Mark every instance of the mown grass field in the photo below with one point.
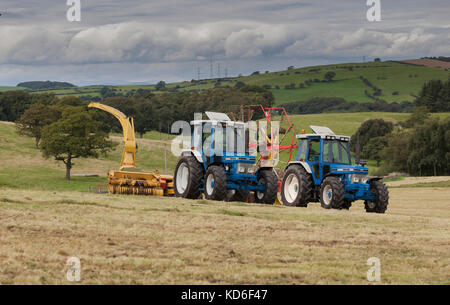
(45, 219)
(148, 240)
(398, 82)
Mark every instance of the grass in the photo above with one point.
(159, 240)
(11, 88)
(24, 166)
(403, 79)
(150, 240)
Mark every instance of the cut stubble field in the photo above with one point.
(151, 240)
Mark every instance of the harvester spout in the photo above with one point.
(129, 150)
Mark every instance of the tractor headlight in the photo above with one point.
(359, 179)
(245, 168)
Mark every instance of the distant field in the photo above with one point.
(10, 88)
(398, 82)
(429, 63)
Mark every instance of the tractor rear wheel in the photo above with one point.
(215, 185)
(188, 178)
(270, 181)
(332, 193)
(296, 187)
(382, 198)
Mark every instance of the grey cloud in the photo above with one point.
(172, 36)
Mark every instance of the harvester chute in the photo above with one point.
(128, 180)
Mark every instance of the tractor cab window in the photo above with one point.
(302, 149)
(335, 151)
(314, 150)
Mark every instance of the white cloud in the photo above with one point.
(147, 42)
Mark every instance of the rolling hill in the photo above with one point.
(398, 81)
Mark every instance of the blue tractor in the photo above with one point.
(325, 171)
(220, 166)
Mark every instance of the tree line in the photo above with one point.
(420, 146)
(336, 104)
(66, 129)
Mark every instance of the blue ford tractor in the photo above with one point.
(325, 171)
(219, 164)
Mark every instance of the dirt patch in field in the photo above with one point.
(429, 63)
(416, 180)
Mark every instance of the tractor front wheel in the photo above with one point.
(188, 178)
(381, 198)
(215, 183)
(332, 193)
(296, 188)
(270, 181)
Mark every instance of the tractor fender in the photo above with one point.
(190, 152)
(370, 179)
(301, 163)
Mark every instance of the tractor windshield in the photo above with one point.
(335, 151)
(229, 140)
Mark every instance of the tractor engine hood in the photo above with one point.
(349, 169)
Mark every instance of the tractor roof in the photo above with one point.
(324, 133)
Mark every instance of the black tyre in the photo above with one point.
(215, 183)
(188, 178)
(347, 204)
(270, 181)
(332, 193)
(237, 195)
(296, 187)
(382, 198)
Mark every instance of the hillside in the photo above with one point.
(397, 81)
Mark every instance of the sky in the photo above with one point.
(126, 42)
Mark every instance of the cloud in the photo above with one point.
(153, 43)
(174, 36)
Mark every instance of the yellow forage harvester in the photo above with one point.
(127, 180)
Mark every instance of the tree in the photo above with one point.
(372, 150)
(75, 135)
(395, 154)
(371, 129)
(435, 95)
(160, 86)
(239, 85)
(34, 119)
(329, 76)
(418, 117)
